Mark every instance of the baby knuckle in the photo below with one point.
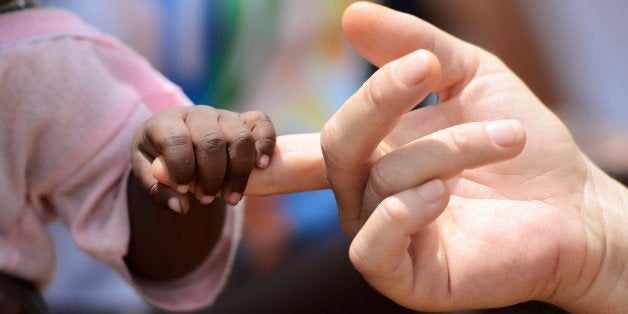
(211, 143)
(176, 138)
(267, 141)
(244, 139)
(259, 116)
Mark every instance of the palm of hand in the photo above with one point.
(497, 241)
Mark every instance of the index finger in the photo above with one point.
(297, 165)
(351, 137)
(171, 136)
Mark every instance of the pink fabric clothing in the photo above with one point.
(71, 99)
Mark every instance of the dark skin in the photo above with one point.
(166, 245)
(213, 153)
(20, 296)
(209, 153)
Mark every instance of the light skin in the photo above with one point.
(439, 224)
(483, 200)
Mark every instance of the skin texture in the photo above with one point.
(215, 150)
(160, 247)
(452, 206)
(296, 165)
(483, 200)
(192, 141)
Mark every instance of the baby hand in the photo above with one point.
(209, 152)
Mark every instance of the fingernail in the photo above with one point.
(207, 199)
(234, 198)
(183, 188)
(505, 133)
(263, 161)
(413, 68)
(432, 190)
(174, 204)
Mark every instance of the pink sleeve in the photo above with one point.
(79, 104)
(94, 203)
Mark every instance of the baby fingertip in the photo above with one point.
(263, 161)
(175, 204)
(183, 189)
(234, 198)
(205, 200)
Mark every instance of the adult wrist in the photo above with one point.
(601, 285)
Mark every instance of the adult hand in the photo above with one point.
(544, 223)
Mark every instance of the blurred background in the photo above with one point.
(289, 59)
